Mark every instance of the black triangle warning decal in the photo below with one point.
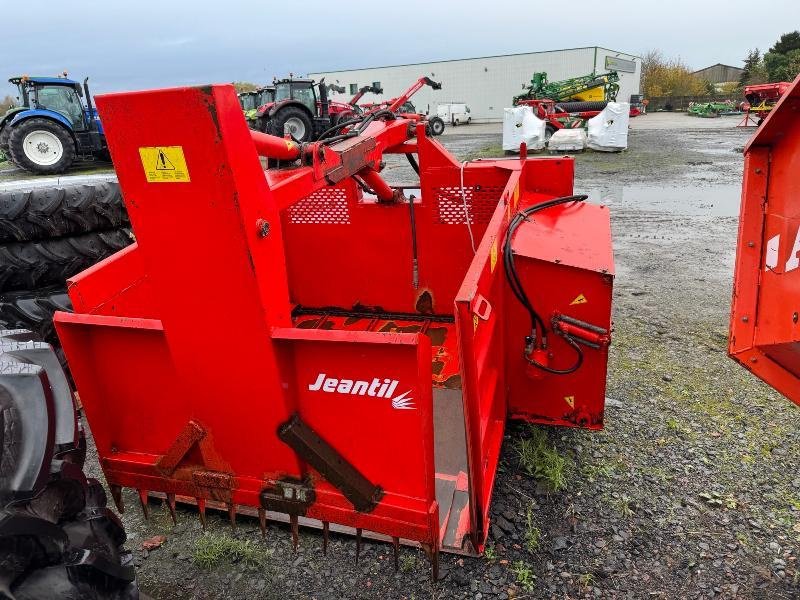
(580, 299)
(163, 163)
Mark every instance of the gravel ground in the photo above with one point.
(691, 491)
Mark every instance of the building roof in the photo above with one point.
(432, 62)
(717, 65)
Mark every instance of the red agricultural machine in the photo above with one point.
(374, 338)
(302, 109)
(765, 327)
(760, 100)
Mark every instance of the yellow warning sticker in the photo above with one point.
(474, 322)
(579, 299)
(493, 255)
(570, 400)
(164, 164)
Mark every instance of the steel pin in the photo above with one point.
(435, 561)
(295, 532)
(232, 514)
(325, 530)
(116, 494)
(143, 501)
(358, 543)
(262, 521)
(396, 545)
(201, 511)
(171, 505)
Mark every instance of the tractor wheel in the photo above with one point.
(34, 310)
(41, 146)
(54, 211)
(549, 130)
(436, 126)
(294, 120)
(58, 539)
(30, 265)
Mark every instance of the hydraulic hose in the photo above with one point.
(537, 339)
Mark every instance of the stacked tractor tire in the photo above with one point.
(58, 538)
(47, 235)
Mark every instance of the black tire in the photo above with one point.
(58, 539)
(580, 106)
(436, 126)
(31, 265)
(17, 139)
(34, 310)
(549, 130)
(49, 212)
(5, 132)
(278, 122)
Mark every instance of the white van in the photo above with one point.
(455, 113)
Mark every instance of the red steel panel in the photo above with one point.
(765, 327)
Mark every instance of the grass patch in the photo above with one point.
(490, 553)
(523, 575)
(540, 459)
(491, 151)
(533, 535)
(407, 563)
(211, 549)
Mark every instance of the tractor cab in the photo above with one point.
(300, 90)
(57, 94)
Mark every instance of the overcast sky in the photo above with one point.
(133, 45)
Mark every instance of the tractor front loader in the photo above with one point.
(359, 346)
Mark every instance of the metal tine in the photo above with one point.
(295, 532)
(201, 511)
(435, 562)
(171, 505)
(325, 528)
(262, 521)
(143, 501)
(396, 546)
(232, 514)
(116, 494)
(358, 543)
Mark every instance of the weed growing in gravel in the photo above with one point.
(210, 549)
(490, 553)
(586, 581)
(407, 563)
(623, 506)
(524, 575)
(540, 459)
(533, 535)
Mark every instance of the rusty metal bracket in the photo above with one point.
(307, 443)
(191, 434)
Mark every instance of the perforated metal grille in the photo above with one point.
(327, 206)
(481, 203)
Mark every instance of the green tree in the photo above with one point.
(245, 86)
(782, 67)
(787, 43)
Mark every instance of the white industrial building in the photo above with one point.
(488, 84)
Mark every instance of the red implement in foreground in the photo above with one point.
(765, 327)
(289, 342)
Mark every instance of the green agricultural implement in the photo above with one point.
(587, 88)
(710, 110)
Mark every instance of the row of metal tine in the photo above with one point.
(116, 492)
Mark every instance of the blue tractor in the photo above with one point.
(54, 124)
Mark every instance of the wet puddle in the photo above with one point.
(709, 200)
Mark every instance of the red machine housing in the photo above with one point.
(765, 328)
(288, 342)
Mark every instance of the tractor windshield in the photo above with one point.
(300, 91)
(248, 101)
(265, 97)
(61, 99)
